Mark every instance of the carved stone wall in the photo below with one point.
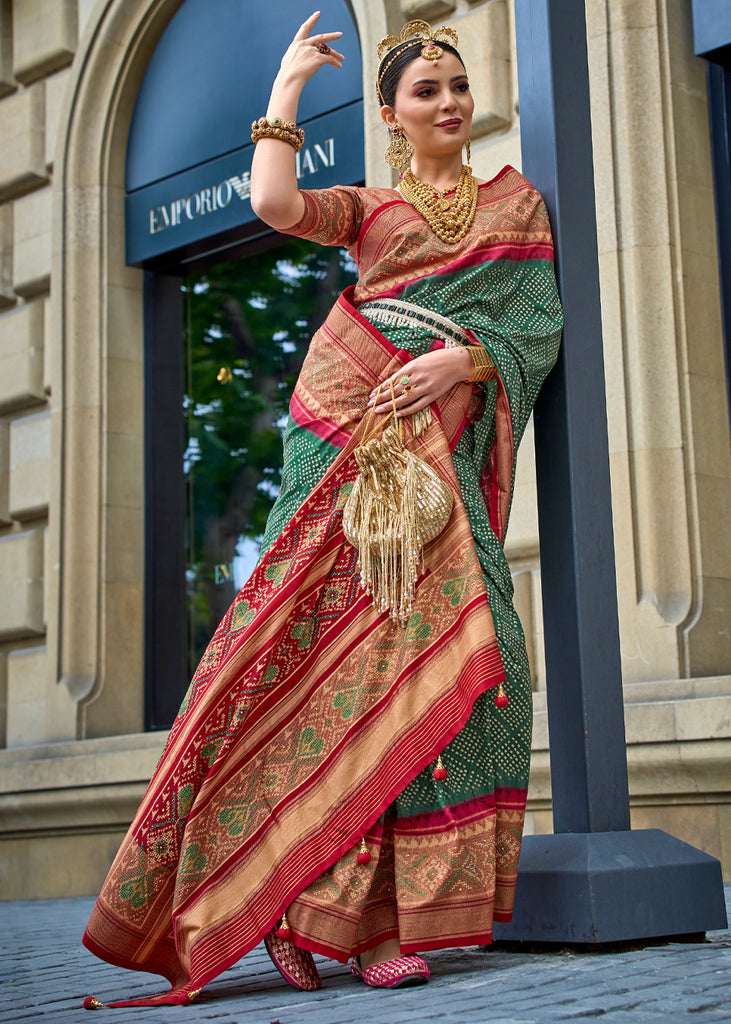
(71, 415)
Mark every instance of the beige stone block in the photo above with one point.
(703, 719)
(126, 395)
(23, 130)
(713, 494)
(21, 585)
(125, 476)
(612, 345)
(484, 43)
(50, 574)
(119, 708)
(650, 722)
(39, 710)
(702, 314)
(539, 646)
(78, 766)
(708, 640)
(3, 697)
(44, 37)
(21, 357)
(678, 689)
(125, 544)
(631, 14)
(661, 532)
(56, 87)
(48, 360)
(523, 602)
(125, 310)
(7, 80)
(7, 295)
(639, 137)
(493, 152)
(32, 246)
(113, 210)
(541, 823)
(27, 705)
(57, 866)
(85, 9)
(427, 9)
(30, 465)
(696, 211)
(4, 472)
(682, 63)
(602, 142)
(650, 347)
(596, 19)
(724, 837)
(710, 418)
(690, 117)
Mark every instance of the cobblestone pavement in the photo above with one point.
(45, 973)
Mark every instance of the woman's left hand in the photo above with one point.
(423, 380)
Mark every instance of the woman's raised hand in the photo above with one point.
(275, 196)
(307, 53)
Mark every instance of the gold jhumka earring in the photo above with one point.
(399, 150)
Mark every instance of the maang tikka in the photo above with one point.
(399, 150)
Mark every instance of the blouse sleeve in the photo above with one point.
(333, 216)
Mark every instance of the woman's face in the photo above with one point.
(433, 105)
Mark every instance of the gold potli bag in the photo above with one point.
(397, 505)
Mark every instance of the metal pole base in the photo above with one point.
(597, 887)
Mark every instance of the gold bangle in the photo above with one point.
(276, 128)
(483, 366)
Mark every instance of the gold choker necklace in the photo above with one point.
(449, 218)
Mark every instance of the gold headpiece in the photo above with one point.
(412, 32)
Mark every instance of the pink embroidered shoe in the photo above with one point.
(397, 973)
(296, 965)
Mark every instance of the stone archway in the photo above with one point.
(96, 539)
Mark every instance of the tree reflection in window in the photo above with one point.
(248, 325)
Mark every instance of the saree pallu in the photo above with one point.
(309, 714)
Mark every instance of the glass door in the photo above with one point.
(247, 325)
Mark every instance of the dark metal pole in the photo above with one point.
(594, 880)
(585, 707)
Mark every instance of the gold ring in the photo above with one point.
(322, 47)
(408, 388)
(405, 380)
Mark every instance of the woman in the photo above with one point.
(347, 774)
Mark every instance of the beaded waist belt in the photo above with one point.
(396, 313)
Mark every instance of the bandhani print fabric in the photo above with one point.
(312, 721)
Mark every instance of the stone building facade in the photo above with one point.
(75, 757)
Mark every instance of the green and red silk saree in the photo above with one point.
(312, 721)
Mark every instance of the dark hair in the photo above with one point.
(392, 76)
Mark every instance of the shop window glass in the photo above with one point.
(247, 325)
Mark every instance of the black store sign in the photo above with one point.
(189, 147)
(214, 197)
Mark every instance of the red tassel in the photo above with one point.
(284, 931)
(501, 701)
(440, 772)
(363, 856)
(90, 1003)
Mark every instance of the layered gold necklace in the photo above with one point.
(449, 216)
